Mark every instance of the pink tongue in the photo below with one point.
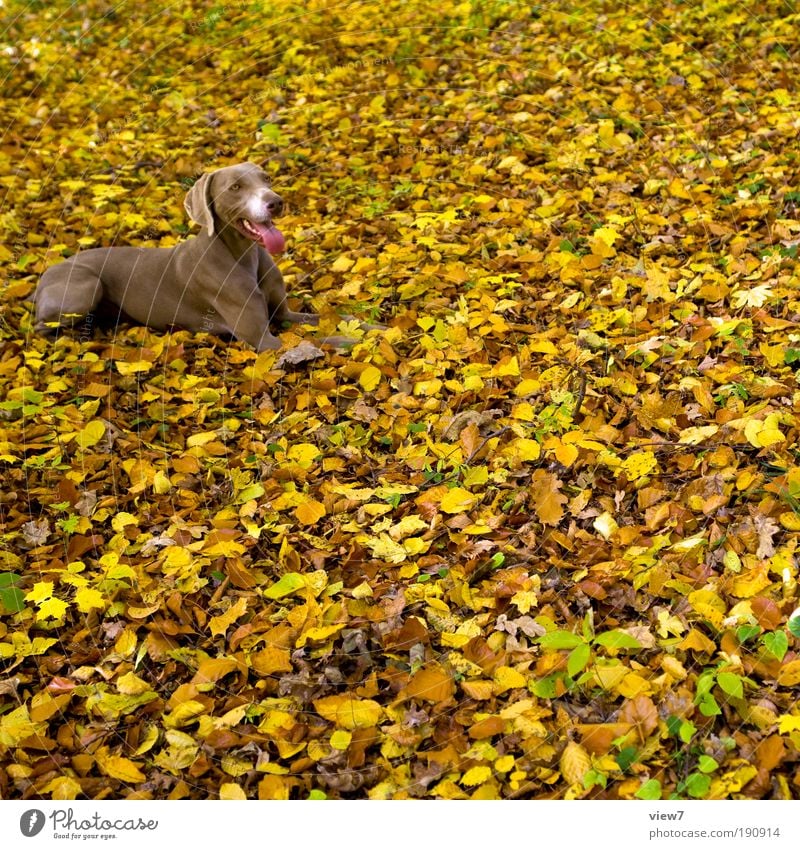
(271, 237)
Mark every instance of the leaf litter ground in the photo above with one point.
(537, 539)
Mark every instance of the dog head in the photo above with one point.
(238, 197)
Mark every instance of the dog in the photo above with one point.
(222, 281)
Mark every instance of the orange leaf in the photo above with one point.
(547, 500)
(641, 712)
(487, 727)
(431, 684)
(271, 659)
(310, 512)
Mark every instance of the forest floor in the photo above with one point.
(537, 539)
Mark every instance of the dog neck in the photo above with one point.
(240, 247)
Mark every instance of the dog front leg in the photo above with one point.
(247, 318)
(270, 281)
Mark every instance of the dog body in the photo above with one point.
(222, 281)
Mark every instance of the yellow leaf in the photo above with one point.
(271, 659)
(504, 764)
(370, 378)
(788, 723)
(121, 520)
(507, 678)
(606, 234)
(524, 449)
(132, 368)
(40, 591)
(349, 713)
(566, 453)
(131, 684)
(125, 645)
(342, 263)
(762, 434)
(639, 465)
(507, 367)
(214, 669)
(309, 512)
(318, 635)
(52, 608)
(16, 725)
(457, 500)
(289, 583)
(64, 789)
(341, 740)
(91, 434)
(751, 582)
(120, 768)
(219, 624)
(605, 525)
(789, 675)
(731, 782)
(231, 791)
(574, 763)
(305, 454)
(161, 483)
(184, 714)
(476, 775)
(709, 605)
(87, 599)
(385, 548)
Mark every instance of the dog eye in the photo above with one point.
(235, 187)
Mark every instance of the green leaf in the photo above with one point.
(747, 632)
(687, 730)
(673, 725)
(776, 643)
(794, 624)
(626, 758)
(708, 706)
(705, 763)
(578, 658)
(545, 688)
(650, 790)
(697, 785)
(317, 794)
(13, 599)
(289, 583)
(791, 355)
(731, 684)
(560, 640)
(593, 777)
(617, 640)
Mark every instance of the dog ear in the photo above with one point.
(198, 203)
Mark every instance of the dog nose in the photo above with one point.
(275, 205)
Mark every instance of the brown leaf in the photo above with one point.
(487, 727)
(767, 613)
(548, 502)
(302, 353)
(641, 713)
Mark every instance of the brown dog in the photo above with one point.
(222, 281)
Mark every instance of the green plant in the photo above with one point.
(11, 597)
(582, 648)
